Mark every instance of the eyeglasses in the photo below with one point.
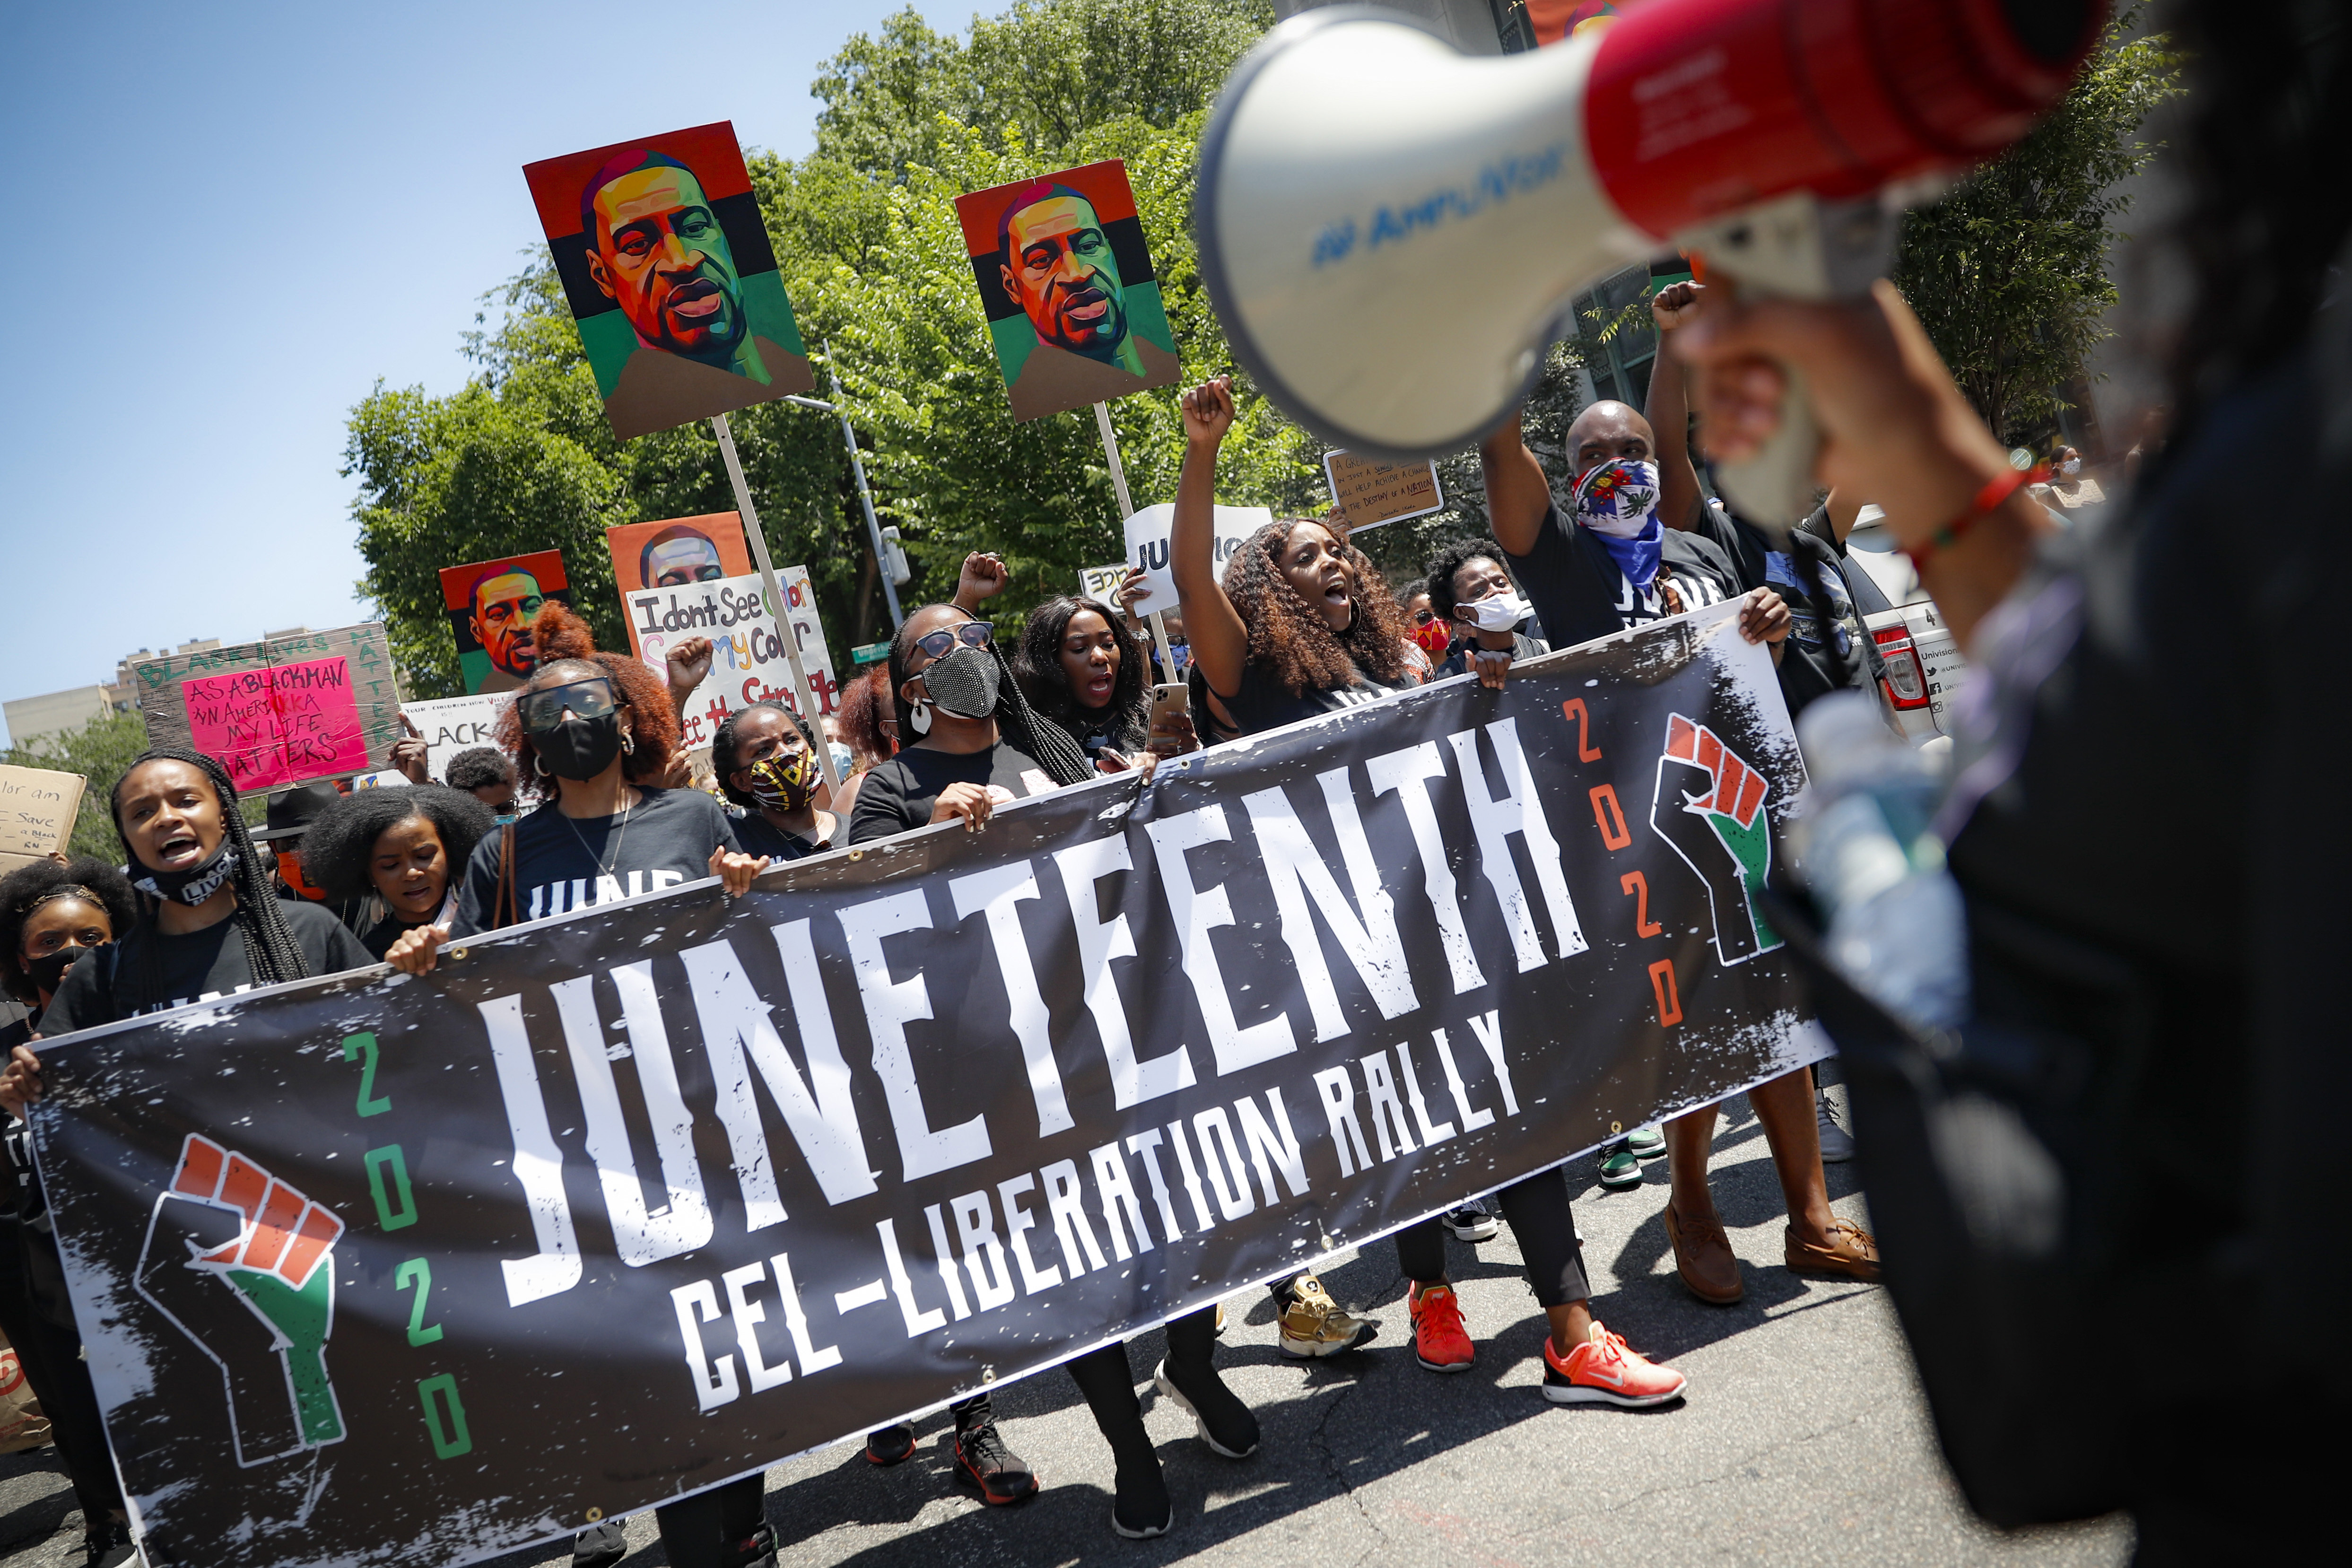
(941, 643)
(543, 709)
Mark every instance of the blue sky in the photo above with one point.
(242, 216)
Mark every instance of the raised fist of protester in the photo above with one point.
(1676, 304)
(983, 576)
(20, 1083)
(688, 664)
(416, 950)
(735, 871)
(970, 802)
(408, 754)
(1765, 618)
(1209, 411)
(242, 1264)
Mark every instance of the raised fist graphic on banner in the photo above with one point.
(1709, 806)
(242, 1265)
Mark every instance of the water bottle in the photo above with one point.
(1897, 926)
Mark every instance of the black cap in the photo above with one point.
(292, 811)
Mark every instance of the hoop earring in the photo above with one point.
(628, 747)
(538, 766)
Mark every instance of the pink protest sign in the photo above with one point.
(278, 725)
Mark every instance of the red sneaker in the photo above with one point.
(1439, 1340)
(1603, 1371)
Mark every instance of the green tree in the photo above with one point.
(101, 751)
(2009, 272)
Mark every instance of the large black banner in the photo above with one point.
(634, 1201)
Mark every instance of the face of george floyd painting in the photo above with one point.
(678, 552)
(493, 606)
(1073, 306)
(667, 265)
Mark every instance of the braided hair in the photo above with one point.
(724, 763)
(1290, 637)
(270, 947)
(1038, 666)
(28, 887)
(1050, 745)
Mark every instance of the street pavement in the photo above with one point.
(1803, 1439)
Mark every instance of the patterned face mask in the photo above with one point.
(785, 783)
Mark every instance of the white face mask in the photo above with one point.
(2070, 466)
(1498, 613)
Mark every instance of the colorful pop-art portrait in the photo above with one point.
(493, 605)
(667, 265)
(1067, 282)
(676, 551)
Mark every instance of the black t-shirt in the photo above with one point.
(898, 795)
(1263, 702)
(1580, 594)
(757, 836)
(564, 863)
(1457, 662)
(1811, 664)
(147, 971)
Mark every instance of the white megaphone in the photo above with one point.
(1390, 231)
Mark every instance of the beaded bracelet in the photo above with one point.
(1995, 491)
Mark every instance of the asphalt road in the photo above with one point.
(1802, 1441)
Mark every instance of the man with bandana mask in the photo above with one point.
(766, 762)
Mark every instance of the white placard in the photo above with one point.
(1146, 546)
(450, 725)
(748, 660)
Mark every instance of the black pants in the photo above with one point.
(1104, 1376)
(704, 1531)
(1537, 1211)
(51, 1357)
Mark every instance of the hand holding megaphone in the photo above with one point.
(1392, 231)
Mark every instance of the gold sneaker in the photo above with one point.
(1313, 1325)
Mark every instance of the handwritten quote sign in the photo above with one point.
(36, 812)
(314, 705)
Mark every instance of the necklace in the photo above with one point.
(603, 867)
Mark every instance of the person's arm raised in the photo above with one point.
(1219, 641)
(1518, 494)
(1667, 408)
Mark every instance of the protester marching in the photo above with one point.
(555, 1054)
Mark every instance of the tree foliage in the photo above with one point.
(2009, 272)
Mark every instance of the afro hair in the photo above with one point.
(28, 887)
(339, 846)
(1447, 563)
(479, 767)
(563, 638)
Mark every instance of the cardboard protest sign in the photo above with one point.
(317, 705)
(667, 264)
(36, 813)
(1067, 282)
(1369, 492)
(493, 604)
(1146, 546)
(747, 661)
(677, 550)
(452, 724)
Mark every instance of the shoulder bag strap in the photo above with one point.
(504, 909)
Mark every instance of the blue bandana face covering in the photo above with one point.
(1618, 500)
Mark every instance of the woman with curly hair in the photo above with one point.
(53, 913)
(594, 728)
(1081, 668)
(399, 849)
(1302, 625)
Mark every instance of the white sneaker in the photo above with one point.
(1837, 1143)
(1471, 1222)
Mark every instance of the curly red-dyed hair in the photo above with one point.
(562, 637)
(1290, 635)
(860, 715)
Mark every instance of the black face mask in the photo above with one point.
(194, 885)
(578, 748)
(49, 970)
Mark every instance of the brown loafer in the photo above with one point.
(1703, 1257)
(1851, 1254)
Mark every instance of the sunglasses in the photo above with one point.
(941, 643)
(543, 709)
(1423, 617)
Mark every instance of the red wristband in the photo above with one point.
(1995, 491)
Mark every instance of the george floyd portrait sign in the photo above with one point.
(666, 262)
(493, 604)
(646, 1197)
(1067, 282)
(310, 705)
(678, 551)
